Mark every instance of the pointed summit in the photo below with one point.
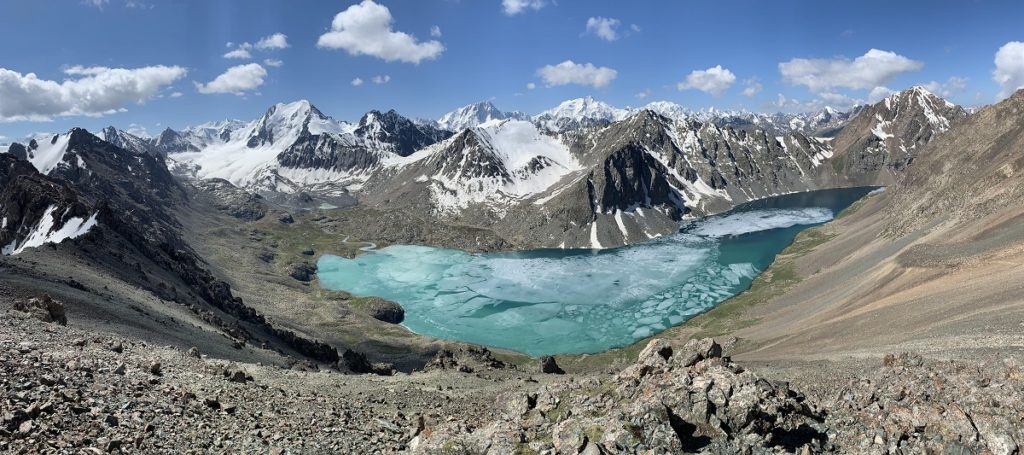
(287, 121)
(877, 145)
(580, 112)
(474, 115)
(401, 135)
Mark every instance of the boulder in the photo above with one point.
(656, 353)
(43, 308)
(302, 271)
(696, 350)
(549, 366)
(286, 218)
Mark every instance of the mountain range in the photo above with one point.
(582, 174)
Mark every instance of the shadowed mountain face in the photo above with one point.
(117, 209)
(583, 174)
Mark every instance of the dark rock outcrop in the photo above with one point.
(232, 200)
(404, 136)
(465, 359)
(18, 151)
(382, 310)
(549, 366)
(43, 308)
(302, 271)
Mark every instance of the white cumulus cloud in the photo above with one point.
(569, 72)
(365, 29)
(236, 80)
(513, 7)
(531, 86)
(435, 31)
(91, 91)
(952, 87)
(357, 82)
(1009, 72)
(873, 69)
(715, 80)
(381, 79)
(752, 87)
(275, 41)
(603, 27)
(241, 54)
(273, 62)
(878, 93)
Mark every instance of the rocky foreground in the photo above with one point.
(694, 400)
(63, 390)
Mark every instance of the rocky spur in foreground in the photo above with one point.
(692, 399)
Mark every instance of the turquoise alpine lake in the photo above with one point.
(542, 302)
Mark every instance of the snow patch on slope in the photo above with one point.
(533, 162)
(49, 153)
(45, 232)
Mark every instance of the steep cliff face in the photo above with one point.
(876, 147)
(397, 134)
(35, 211)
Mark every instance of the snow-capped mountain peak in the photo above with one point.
(127, 141)
(668, 109)
(475, 115)
(580, 112)
(287, 121)
(933, 107)
(391, 131)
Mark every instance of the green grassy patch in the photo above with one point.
(556, 415)
(523, 449)
(594, 434)
(288, 241)
(853, 208)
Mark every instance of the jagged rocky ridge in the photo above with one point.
(583, 174)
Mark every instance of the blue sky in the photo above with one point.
(138, 62)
